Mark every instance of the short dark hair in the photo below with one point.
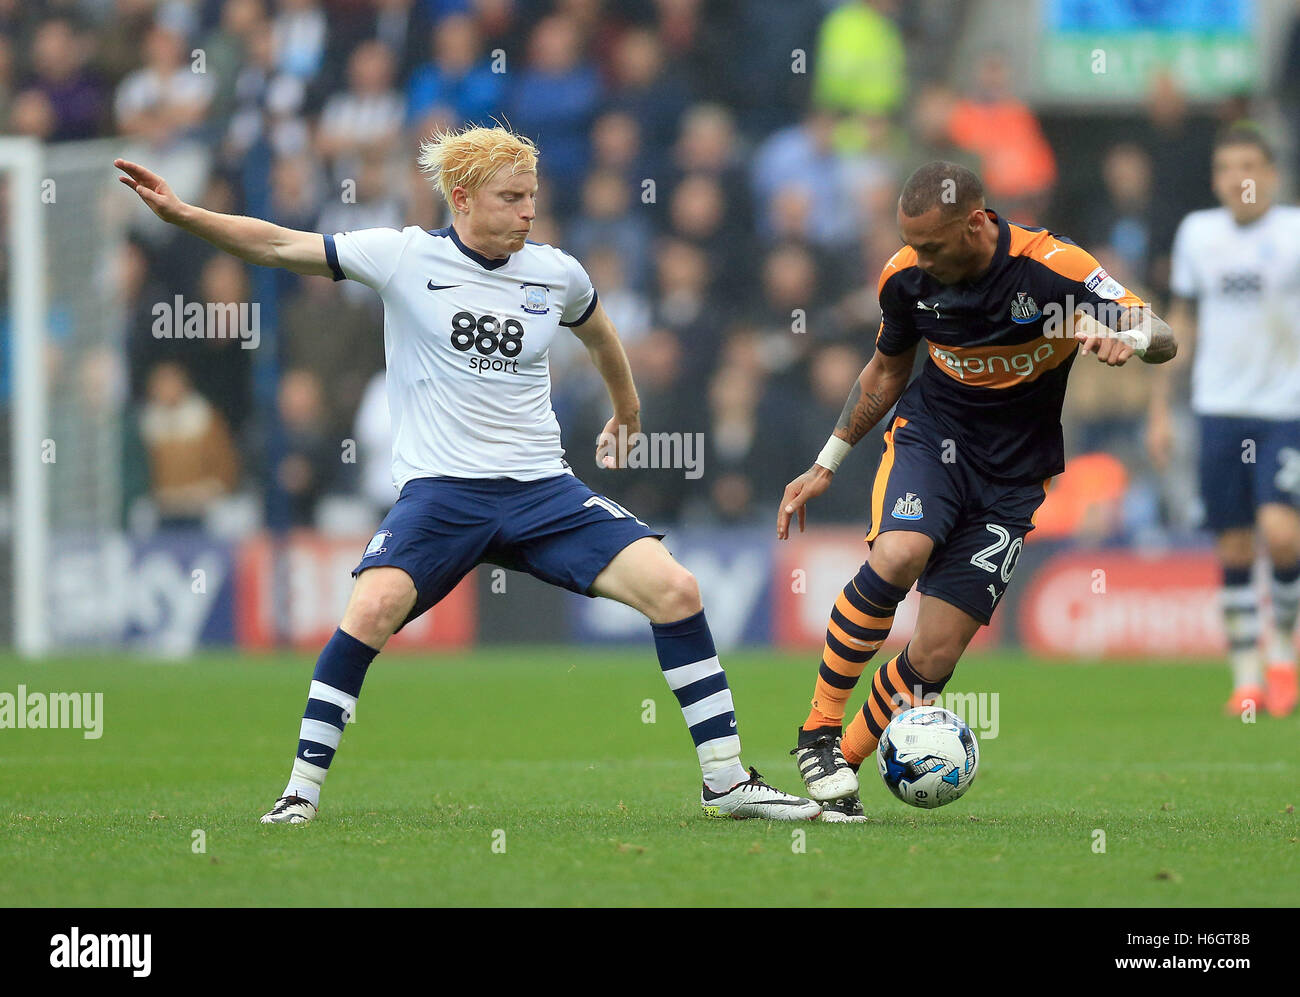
(1245, 133)
(949, 186)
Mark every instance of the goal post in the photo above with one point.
(22, 164)
(67, 365)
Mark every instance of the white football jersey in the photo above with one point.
(466, 340)
(1246, 282)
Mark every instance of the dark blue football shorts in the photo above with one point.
(556, 529)
(1245, 463)
(978, 524)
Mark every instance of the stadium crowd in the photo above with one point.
(727, 171)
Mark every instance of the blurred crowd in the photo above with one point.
(727, 171)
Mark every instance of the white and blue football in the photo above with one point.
(928, 756)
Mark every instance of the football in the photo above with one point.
(928, 757)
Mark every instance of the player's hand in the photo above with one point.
(1159, 439)
(808, 485)
(608, 454)
(1111, 348)
(153, 190)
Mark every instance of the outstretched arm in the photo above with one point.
(877, 389)
(250, 239)
(1135, 328)
(1162, 346)
(600, 338)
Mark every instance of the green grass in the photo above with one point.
(598, 808)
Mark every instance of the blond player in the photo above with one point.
(470, 312)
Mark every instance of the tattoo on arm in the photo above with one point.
(860, 413)
(1163, 346)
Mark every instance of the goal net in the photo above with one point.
(65, 396)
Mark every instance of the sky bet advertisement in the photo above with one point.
(175, 593)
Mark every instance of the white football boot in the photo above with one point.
(845, 810)
(756, 798)
(821, 764)
(290, 810)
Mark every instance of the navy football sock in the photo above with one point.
(331, 704)
(690, 665)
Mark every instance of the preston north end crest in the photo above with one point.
(535, 299)
(908, 507)
(1024, 308)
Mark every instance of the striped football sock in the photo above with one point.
(1286, 603)
(691, 667)
(859, 624)
(331, 703)
(1241, 624)
(894, 688)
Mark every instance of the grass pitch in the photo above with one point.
(544, 754)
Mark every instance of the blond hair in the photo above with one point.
(469, 157)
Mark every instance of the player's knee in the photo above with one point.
(1280, 532)
(378, 608)
(1282, 550)
(934, 661)
(678, 596)
(899, 564)
(1236, 548)
(370, 620)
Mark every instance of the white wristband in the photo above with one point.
(1140, 337)
(834, 452)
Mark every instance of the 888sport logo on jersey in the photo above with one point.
(493, 343)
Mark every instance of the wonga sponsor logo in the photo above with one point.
(1000, 366)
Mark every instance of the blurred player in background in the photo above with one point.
(970, 452)
(469, 315)
(1235, 273)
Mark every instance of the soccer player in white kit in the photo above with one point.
(469, 314)
(1238, 267)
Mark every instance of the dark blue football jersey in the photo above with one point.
(1000, 347)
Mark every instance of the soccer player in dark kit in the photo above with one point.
(970, 452)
